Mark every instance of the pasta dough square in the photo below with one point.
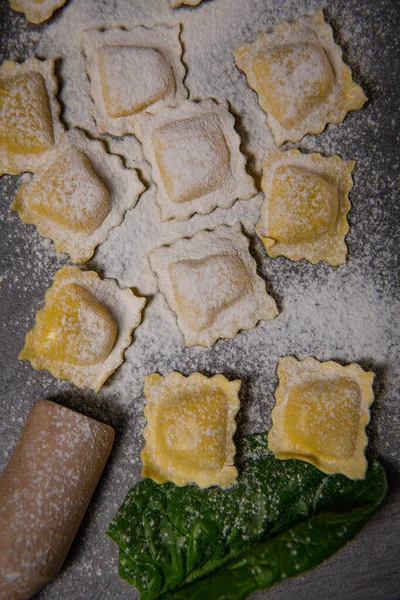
(300, 78)
(320, 415)
(190, 428)
(36, 11)
(29, 114)
(194, 152)
(132, 70)
(210, 283)
(79, 195)
(84, 328)
(305, 207)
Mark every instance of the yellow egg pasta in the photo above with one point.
(79, 195)
(211, 284)
(83, 329)
(132, 70)
(29, 114)
(194, 152)
(36, 11)
(320, 415)
(305, 207)
(300, 77)
(190, 428)
(175, 3)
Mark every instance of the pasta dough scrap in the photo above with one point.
(210, 283)
(175, 3)
(84, 328)
(36, 11)
(195, 157)
(79, 195)
(29, 114)
(131, 71)
(300, 78)
(190, 428)
(320, 415)
(305, 207)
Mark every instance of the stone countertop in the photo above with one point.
(368, 567)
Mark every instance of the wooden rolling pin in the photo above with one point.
(44, 493)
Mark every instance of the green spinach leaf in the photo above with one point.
(279, 519)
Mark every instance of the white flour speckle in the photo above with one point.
(348, 314)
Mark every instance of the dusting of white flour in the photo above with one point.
(348, 314)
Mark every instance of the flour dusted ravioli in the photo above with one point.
(190, 428)
(305, 207)
(300, 78)
(176, 151)
(321, 413)
(125, 100)
(84, 328)
(211, 284)
(131, 71)
(78, 195)
(29, 114)
(36, 11)
(191, 282)
(195, 156)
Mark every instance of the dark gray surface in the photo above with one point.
(368, 567)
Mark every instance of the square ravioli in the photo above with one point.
(300, 78)
(36, 11)
(194, 152)
(320, 415)
(29, 114)
(305, 207)
(190, 428)
(211, 284)
(84, 328)
(132, 70)
(79, 195)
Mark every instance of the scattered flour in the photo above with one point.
(349, 313)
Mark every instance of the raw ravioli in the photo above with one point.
(84, 328)
(36, 11)
(133, 70)
(79, 195)
(29, 114)
(190, 428)
(305, 207)
(194, 152)
(300, 77)
(320, 415)
(211, 284)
